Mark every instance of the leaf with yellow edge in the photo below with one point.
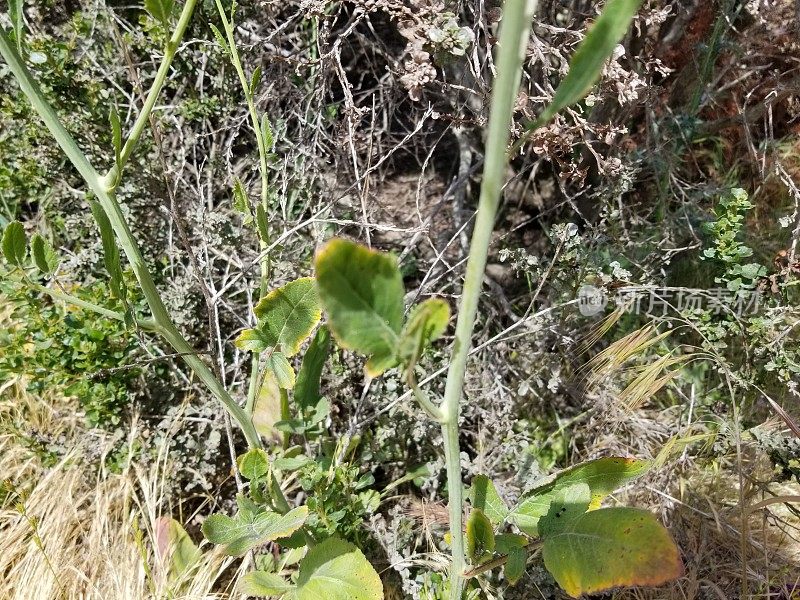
(607, 548)
(362, 293)
(288, 315)
(603, 476)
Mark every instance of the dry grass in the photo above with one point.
(75, 530)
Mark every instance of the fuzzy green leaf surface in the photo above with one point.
(362, 293)
(607, 548)
(288, 315)
(336, 570)
(602, 476)
(245, 531)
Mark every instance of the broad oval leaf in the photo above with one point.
(243, 532)
(336, 570)
(588, 60)
(603, 476)
(251, 340)
(611, 547)
(253, 464)
(15, 243)
(362, 292)
(288, 315)
(480, 536)
(44, 256)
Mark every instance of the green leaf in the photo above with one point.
(255, 79)
(261, 583)
(262, 223)
(110, 249)
(590, 57)
(480, 535)
(266, 133)
(252, 340)
(160, 10)
(283, 371)
(603, 476)
(246, 531)
(611, 547)
(505, 542)
(288, 315)
(306, 390)
(362, 292)
(515, 565)
(175, 545)
(44, 256)
(220, 38)
(426, 323)
(336, 570)
(15, 243)
(483, 495)
(253, 464)
(240, 202)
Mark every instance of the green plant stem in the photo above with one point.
(499, 561)
(111, 179)
(255, 122)
(424, 401)
(513, 38)
(163, 322)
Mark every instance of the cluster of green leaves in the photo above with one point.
(332, 565)
(57, 347)
(726, 245)
(586, 548)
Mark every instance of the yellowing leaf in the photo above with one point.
(267, 407)
(288, 315)
(608, 548)
(362, 293)
(480, 535)
(603, 476)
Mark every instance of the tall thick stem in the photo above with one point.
(513, 38)
(164, 324)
